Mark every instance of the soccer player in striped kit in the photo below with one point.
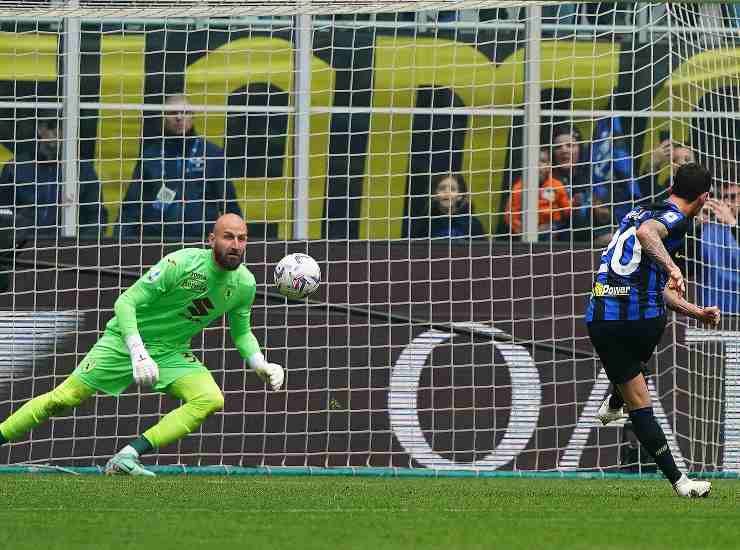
(148, 342)
(636, 281)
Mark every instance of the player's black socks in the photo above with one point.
(651, 435)
(616, 401)
(142, 445)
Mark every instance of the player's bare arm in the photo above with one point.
(651, 235)
(706, 315)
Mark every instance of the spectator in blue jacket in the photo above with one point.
(179, 187)
(33, 182)
(719, 251)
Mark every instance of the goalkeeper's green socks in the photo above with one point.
(2, 438)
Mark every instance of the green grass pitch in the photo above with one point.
(57, 512)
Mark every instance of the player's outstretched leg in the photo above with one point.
(66, 395)
(202, 398)
(650, 434)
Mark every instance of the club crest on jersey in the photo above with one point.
(602, 290)
(154, 274)
(228, 292)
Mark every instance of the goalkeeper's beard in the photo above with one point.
(227, 260)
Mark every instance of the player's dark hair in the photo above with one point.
(691, 181)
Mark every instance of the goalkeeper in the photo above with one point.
(148, 342)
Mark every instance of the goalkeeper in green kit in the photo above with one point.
(148, 342)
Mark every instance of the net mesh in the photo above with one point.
(389, 141)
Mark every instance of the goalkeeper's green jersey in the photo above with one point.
(180, 296)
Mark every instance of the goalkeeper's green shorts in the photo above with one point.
(107, 366)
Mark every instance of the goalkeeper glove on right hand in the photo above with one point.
(145, 369)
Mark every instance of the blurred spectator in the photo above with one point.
(666, 153)
(33, 182)
(179, 187)
(554, 203)
(449, 214)
(567, 168)
(615, 190)
(718, 238)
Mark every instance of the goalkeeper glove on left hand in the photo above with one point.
(271, 373)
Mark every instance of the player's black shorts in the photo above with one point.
(623, 346)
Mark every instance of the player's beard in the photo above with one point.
(228, 261)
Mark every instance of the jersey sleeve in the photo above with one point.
(240, 321)
(671, 219)
(156, 282)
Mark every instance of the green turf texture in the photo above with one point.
(58, 512)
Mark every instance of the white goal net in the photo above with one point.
(455, 168)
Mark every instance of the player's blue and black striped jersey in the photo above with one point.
(629, 284)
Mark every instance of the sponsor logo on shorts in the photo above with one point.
(602, 290)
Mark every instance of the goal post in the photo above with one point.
(454, 167)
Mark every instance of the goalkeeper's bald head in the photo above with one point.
(228, 240)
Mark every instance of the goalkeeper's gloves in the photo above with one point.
(271, 373)
(145, 369)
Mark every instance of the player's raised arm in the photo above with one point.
(706, 315)
(155, 282)
(247, 345)
(651, 234)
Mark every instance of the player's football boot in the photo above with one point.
(606, 415)
(692, 488)
(126, 463)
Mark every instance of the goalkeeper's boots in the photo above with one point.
(692, 488)
(126, 463)
(606, 415)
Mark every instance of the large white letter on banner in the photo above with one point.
(571, 458)
(404, 385)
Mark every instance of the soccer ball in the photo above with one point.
(297, 276)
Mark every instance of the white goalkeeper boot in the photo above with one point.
(692, 488)
(126, 463)
(606, 415)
